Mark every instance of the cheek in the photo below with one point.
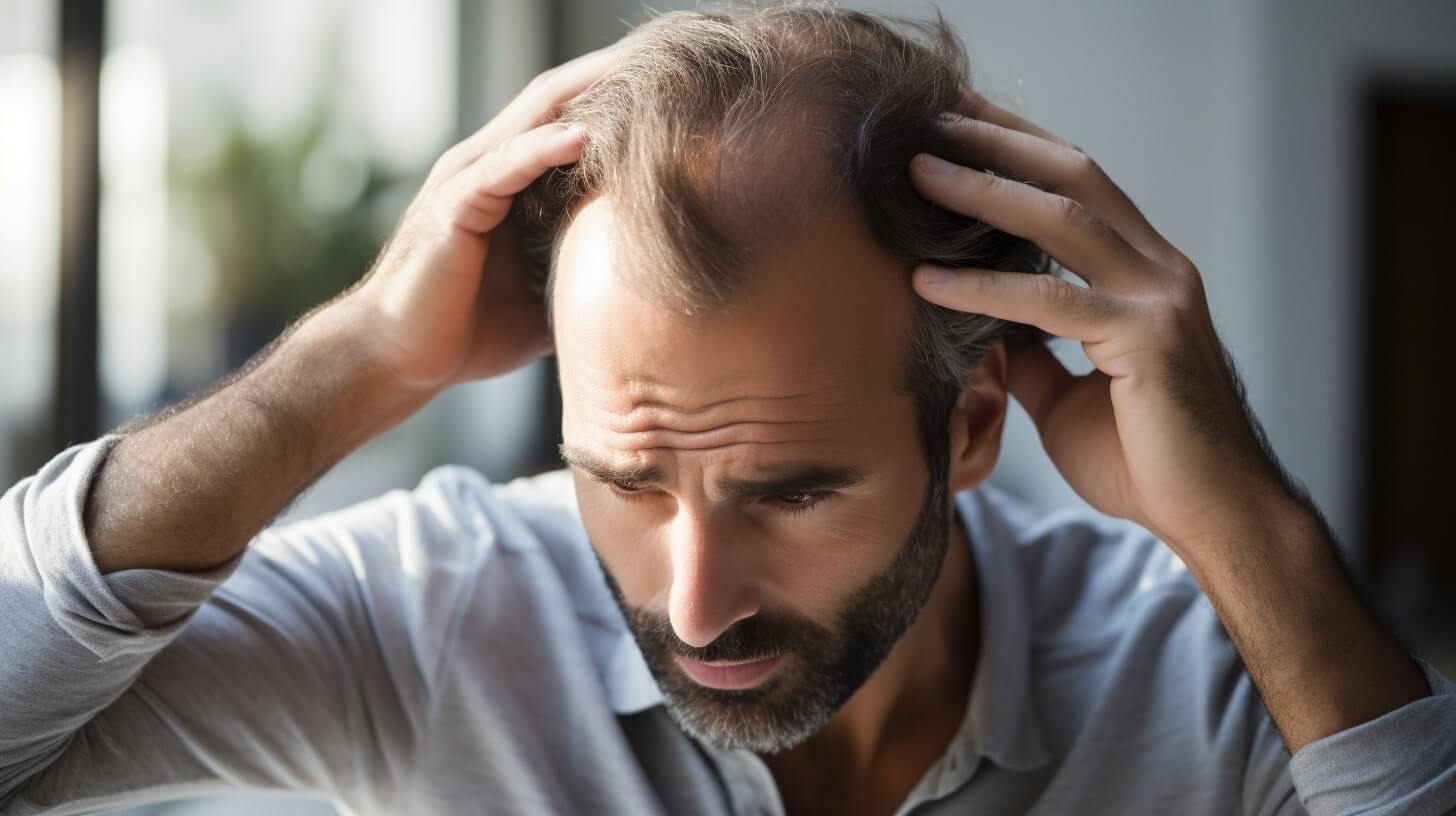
(625, 539)
(824, 557)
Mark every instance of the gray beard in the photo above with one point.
(825, 667)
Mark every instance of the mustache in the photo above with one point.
(761, 636)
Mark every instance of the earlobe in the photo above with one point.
(977, 420)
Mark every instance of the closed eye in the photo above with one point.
(626, 490)
(791, 503)
(794, 503)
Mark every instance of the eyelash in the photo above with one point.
(813, 499)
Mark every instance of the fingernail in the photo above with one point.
(933, 275)
(931, 165)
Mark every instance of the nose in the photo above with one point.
(712, 578)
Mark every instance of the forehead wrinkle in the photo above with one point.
(660, 440)
(623, 394)
(627, 416)
(708, 406)
(639, 422)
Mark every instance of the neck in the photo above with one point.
(901, 720)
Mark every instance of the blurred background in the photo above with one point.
(180, 180)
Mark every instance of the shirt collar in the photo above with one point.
(1000, 722)
(630, 684)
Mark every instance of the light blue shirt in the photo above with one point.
(453, 649)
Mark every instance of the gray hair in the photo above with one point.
(726, 128)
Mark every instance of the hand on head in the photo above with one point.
(447, 302)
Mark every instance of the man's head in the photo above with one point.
(765, 421)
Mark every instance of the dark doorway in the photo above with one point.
(1408, 300)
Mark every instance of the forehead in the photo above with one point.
(813, 344)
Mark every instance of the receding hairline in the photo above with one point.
(621, 234)
(725, 127)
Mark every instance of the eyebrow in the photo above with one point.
(785, 479)
(604, 471)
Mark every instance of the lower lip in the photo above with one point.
(729, 676)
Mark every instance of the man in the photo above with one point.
(774, 579)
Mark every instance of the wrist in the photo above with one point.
(326, 378)
(1276, 528)
(1321, 662)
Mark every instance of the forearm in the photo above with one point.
(188, 489)
(1321, 661)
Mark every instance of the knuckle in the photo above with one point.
(435, 215)
(1164, 319)
(1101, 308)
(515, 152)
(1178, 309)
(1072, 211)
(503, 155)
(1091, 307)
(983, 180)
(1085, 167)
(1182, 268)
(543, 80)
(447, 160)
(1180, 284)
(435, 221)
(1082, 164)
(1088, 304)
(1186, 296)
(1051, 290)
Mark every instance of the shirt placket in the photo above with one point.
(751, 788)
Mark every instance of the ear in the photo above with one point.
(977, 419)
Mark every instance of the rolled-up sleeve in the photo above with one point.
(1403, 762)
(301, 664)
(59, 617)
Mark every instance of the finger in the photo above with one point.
(479, 198)
(1049, 303)
(1037, 379)
(1067, 411)
(534, 105)
(1065, 228)
(1056, 169)
(975, 106)
(541, 99)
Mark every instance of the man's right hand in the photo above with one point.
(448, 301)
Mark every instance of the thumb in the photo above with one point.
(1037, 379)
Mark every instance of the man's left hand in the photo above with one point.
(1160, 433)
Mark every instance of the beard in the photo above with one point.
(824, 666)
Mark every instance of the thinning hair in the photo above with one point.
(727, 129)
